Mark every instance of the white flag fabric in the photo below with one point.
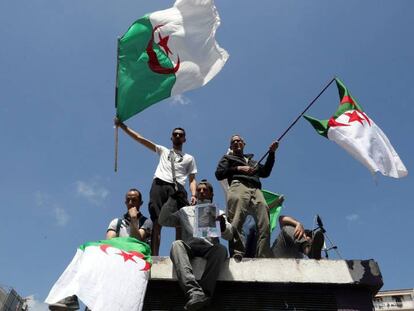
(366, 142)
(106, 275)
(352, 129)
(191, 26)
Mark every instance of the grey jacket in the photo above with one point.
(184, 218)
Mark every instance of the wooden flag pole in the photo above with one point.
(116, 148)
(297, 119)
(116, 105)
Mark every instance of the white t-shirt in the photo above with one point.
(184, 165)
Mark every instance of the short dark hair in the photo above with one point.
(178, 128)
(136, 190)
(231, 138)
(209, 186)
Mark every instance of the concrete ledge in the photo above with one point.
(270, 270)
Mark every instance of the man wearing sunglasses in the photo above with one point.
(173, 169)
(244, 196)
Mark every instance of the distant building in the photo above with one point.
(11, 301)
(399, 299)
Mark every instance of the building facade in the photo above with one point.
(390, 300)
(11, 301)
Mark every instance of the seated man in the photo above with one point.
(133, 224)
(294, 241)
(200, 292)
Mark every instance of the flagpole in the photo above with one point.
(297, 119)
(116, 149)
(116, 105)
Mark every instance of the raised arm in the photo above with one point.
(138, 137)
(266, 169)
(290, 221)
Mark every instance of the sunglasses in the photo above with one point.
(178, 134)
(237, 141)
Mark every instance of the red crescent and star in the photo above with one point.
(127, 256)
(153, 61)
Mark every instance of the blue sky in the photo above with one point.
(58, 187)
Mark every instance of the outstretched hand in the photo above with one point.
(248, 170)
(117, 122)
(193, 200)
(299, 231)
(274, 145)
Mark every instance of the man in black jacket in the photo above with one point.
(244, 195)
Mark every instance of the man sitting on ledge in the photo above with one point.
(182, 251)
(294, 241)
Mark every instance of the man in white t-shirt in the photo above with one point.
(173, 169)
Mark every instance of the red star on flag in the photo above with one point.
(354, 116)
(127, 256)
(164, 43)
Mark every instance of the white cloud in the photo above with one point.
(353, 217)
(42, 199)
(92, 191)
(35, 305)
(46, 201)
(180, 100)
(61, 216)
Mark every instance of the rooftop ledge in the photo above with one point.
(364, 273)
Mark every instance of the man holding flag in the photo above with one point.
(173, 169)
(244, 196)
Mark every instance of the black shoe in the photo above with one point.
(317, 244)
(68, 303)
(238, 257)
(197, 302)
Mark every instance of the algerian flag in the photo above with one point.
(167, 53)
(272, 200)
(352, 129)
(106, 275)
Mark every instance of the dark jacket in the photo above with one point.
(227, 169)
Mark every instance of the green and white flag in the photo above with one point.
(352, 129)
(166, 53)
(106, 275)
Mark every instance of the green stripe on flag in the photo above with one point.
(138, 87)
(127, 244)
(346, 100)
(274, 211)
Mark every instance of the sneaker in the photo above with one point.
(317, 244)
(197, 302)
(238, 257)
(66, 304)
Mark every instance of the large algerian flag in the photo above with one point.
(166, 53)
(106, 275)
(272, 200)
(352, 129)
